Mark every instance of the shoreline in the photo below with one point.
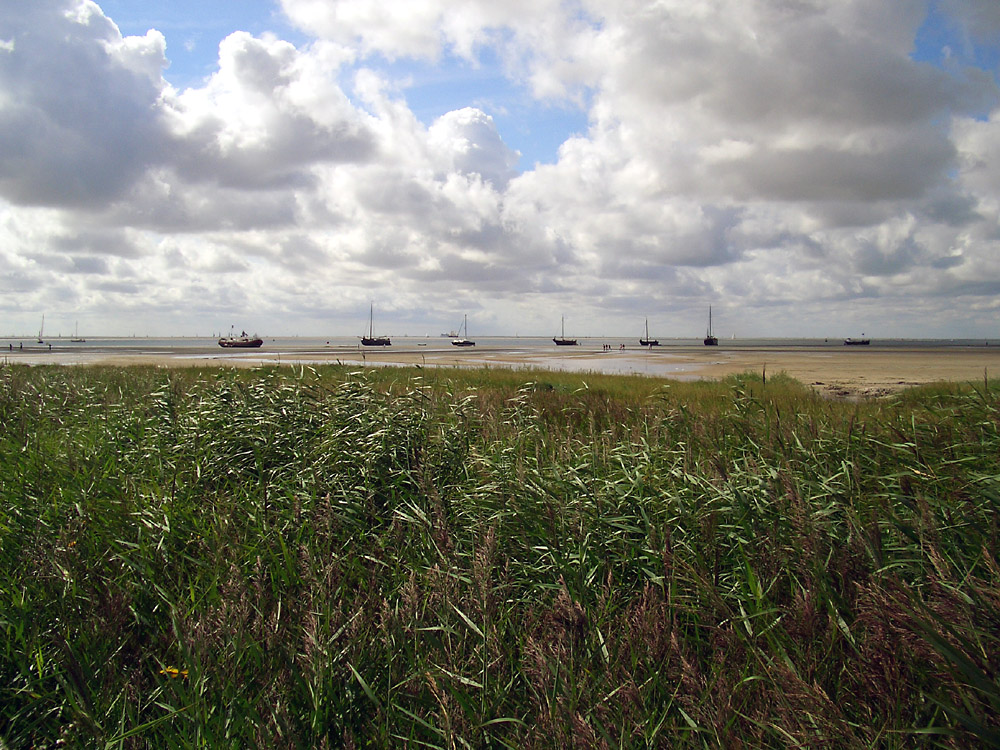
(840, 372)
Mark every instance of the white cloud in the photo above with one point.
(267, 116)
(468, 143)
(79, 119)
(765, 154)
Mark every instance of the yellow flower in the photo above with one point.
(174, 672)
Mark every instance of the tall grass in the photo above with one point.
(328, 558)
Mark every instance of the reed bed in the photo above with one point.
(330, 558)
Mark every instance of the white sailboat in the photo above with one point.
(464, 330)
(41, 330)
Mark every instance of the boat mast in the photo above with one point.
(371, 320)
(709, 335)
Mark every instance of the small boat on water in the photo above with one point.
(464, 340)
(710, 339)
(41, 330)
(562, 340)
(857, 342)
(243, 341)
(371, 339)
(77, 338)
(648, 341)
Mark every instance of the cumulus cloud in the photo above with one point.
(805, 121)
(759, 153)
(267, 116)
(78, 104)
(468, 143)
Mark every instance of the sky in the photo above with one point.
(807, 168)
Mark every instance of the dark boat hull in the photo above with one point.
(376, 341)
(711, 341)
(648, 342)
(565, 342)
(857, 342)
(241, 343)
(463, 342)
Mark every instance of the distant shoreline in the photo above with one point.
(831, 369)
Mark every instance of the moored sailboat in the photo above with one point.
(648, 341)
(464, 330)
(371, 339)
(710, 339)
(562, 340)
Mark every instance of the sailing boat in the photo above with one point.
(464, 341)
(710, 340)
(76, 335)
(562, 340)
(370, 339)
(648, 341)
(41, 329)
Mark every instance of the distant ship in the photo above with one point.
(562, 340)
(243, 341)
(710, 340)
(370, 339)
(856, 342)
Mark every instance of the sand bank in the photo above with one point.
(833, 370)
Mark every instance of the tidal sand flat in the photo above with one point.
(831, 369)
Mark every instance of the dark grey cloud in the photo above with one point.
(952, 208)
(900, 171)
(96, 242)
(872, 260)
(164, 202)
(980, 19)
(88, 264)
(282, 159)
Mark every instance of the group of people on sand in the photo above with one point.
(20, 346)
(607, 347)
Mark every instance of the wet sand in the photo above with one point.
(834, 371)
(838, 372)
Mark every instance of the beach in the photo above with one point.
(838, 371)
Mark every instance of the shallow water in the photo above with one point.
(510, 352)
